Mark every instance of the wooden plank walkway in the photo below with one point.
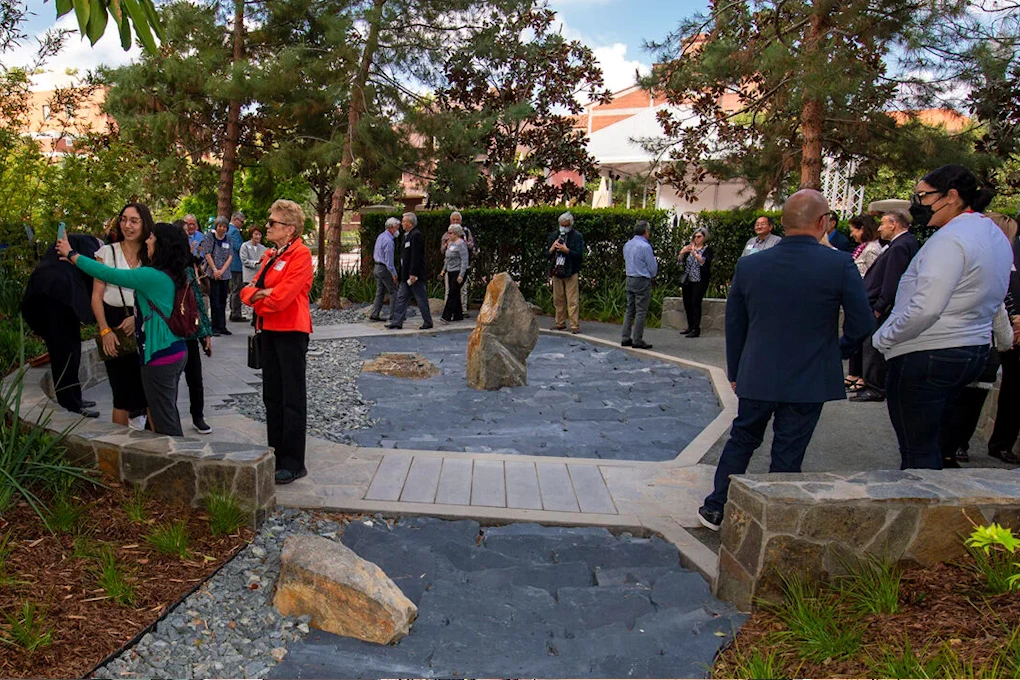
(484, 482)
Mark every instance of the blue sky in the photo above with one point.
(614, 29)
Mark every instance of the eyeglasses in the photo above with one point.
(135, 221)
(918, 195)
(271, 223)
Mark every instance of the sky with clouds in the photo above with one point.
(614, 29)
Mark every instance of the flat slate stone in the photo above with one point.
(508, 606)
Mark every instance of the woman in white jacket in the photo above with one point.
(251, 255)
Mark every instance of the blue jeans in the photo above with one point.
(791, 432)
(921, 388)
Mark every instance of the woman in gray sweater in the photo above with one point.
(455, 266)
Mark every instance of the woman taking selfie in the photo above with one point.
(279, 296)
(114, 309)
(155, 285)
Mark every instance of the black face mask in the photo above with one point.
(920, 213)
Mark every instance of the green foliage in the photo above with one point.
(5, 552)
(872, 586)
(225, 513)
(28, 629)
(134, 507)
(904, 664)
(814, 626)
(31, 459)
(85, 547)
(758, 664)
(994, 548)
(65, 514)
(170, 538)
(93, 18)
(515, 241)
(113, 577)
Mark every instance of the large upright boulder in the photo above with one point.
(343, 593)
(504, 336)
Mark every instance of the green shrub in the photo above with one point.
(28, 628)
(225, 513)
(170, 538)
(758, 664)
(815, 624)
(872, 586)
(113, 577)
(134, 507)
(994, 548)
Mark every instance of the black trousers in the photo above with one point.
(856, 363)
(218, 291)
(193, 376)
(1007, 418)
(453, 310)
(694, 293)
(63, 341)
(285, 396)
(960, 422)
(874, 367)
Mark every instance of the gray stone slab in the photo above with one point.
(488, 485)
(455, 482)
(422, 480)
(557, 490)
(389, 478)
(522, 486)
(590, 489)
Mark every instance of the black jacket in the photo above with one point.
(883, 278)
(412, 262)
(57, 283)
(706, 267)
(575, 241)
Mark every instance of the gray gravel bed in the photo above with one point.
(228, 628)
(329, 317)
(335, 404)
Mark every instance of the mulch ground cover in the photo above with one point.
(85, 624)
(943, 605)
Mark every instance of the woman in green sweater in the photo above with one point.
(163, 354)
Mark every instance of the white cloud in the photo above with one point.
(619, 71)
(77, 54)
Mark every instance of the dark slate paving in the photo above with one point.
(527, 601)
(581, 400)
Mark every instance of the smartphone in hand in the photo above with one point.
(61, 231)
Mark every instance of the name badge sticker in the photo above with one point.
(280, 265)
(407, 245)
(224, 245)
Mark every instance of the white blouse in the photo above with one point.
(111, 295)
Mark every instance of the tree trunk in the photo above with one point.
(812, 114)
(358, 106)
(225, 193)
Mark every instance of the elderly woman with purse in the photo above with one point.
(279, 296)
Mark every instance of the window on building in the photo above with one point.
(46, 111)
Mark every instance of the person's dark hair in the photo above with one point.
(975, 196)
(867, 225)
(252, 230)
(178, 223)
(172, 256)
(772, 222)
(147, 223)
(641, 228)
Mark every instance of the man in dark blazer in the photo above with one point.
(412, 275)
(56, 303)
(881, 283)
(783, 350)
(837, 239)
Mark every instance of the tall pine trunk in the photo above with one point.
(225, 193)
(812, 114)
(331, 283)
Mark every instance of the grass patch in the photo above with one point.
(872, 586)
(758, 664)
(134, 507)
(226, 515)
(815, 624)
(85, 547)
(170, 538)
(28, 628)
(997, 569)
(113, 577)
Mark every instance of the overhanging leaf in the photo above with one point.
(97, 21)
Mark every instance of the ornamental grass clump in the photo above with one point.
(225, 513)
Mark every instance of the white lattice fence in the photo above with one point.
(839, 190)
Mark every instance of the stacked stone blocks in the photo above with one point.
(815, 526)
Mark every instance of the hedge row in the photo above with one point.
(514, 241)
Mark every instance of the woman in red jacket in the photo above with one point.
(279, 296)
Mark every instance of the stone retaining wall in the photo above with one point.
(713, 314)
(91, 371)
(812, 525)
(184, 469)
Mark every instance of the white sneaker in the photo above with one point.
(137, 423)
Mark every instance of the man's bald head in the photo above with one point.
(804, 213)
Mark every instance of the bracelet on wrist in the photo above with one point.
(103, 332)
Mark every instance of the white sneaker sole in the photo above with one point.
(708, 525)
(209, 431)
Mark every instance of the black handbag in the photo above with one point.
(255, 349)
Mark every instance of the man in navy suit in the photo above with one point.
(783, 352)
